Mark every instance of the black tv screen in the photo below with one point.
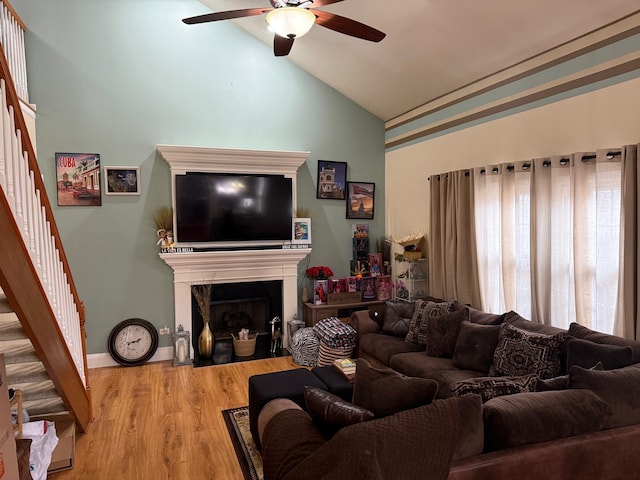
(215, 207)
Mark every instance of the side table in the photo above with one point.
(312, 314)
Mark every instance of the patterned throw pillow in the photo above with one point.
(491, 387)
(423, 310)
(521, 353)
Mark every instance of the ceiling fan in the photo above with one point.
(291, 19)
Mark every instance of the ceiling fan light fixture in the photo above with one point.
(290, 22)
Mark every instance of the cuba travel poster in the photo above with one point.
(78, 179)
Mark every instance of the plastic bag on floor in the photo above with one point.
(43, 441)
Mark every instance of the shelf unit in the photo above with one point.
(410, 279)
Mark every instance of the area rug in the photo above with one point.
(249, 458)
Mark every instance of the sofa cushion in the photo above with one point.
(441, 333)
(520, 352)
(580, 331)
(385, 392)
(526, 418)
(397, 317)
(475, 346)
(586, 353)
(561, 382)
(522, 323)
(330, 412)
(442, 370)
(423, 310)
(382, 347)
(478, 316)
(620, 388)
(491, 387)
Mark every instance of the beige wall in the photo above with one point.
(605, 118)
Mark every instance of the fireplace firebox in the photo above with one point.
(235, 306)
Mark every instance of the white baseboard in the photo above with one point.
(99, 360)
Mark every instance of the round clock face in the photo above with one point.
(133, 341)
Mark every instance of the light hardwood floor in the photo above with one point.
(163, 422)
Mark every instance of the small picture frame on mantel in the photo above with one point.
(301, 231)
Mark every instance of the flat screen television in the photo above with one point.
(215, 207)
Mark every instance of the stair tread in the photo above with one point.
(4, 304)
(10, 327)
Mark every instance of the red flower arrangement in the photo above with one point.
(319, 272)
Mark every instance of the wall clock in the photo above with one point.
(133, 342)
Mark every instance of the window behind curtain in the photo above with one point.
(548, 238)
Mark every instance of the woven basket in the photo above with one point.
(244, 348)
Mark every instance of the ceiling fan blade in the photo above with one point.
(322, 3)
(228, 15)
(282, 45)
(347, 26)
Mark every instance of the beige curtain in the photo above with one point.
(629, 250)
(453, 268)
(548, 232)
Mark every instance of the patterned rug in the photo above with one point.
(249, 458)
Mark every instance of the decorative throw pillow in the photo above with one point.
(585, 353)
(491, 387)
(580, 331)
(424, 309)
(475, 346)
(561, 382)
(330, 412)
(397, 316)
(385, 391)
(520, 353)
(616, 387)
(441, 333)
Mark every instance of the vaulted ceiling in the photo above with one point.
(432, 47)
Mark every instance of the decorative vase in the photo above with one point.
(304, 296)
(205, 341)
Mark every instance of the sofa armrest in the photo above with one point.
(282, 451)
(363, 323)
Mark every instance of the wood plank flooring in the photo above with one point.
(163, 422)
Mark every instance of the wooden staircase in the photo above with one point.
(42, 319)
(25, 371)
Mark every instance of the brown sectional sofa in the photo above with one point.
(571, 421)
(603, 453)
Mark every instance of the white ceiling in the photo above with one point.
(432, 47)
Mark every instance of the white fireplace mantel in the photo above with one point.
(240, 264)
(201, 268)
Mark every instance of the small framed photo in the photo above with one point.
(122, 180)
(78, 179)
(332, 180)
(301, 231)
(360, 200)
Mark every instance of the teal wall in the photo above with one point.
(118, 77)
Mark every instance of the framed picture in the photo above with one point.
(332, 179)
(301, 230)
(78, 179)
(122, 180)
(360, 200)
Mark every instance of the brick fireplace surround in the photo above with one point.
(237, 262)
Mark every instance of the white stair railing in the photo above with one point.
(12, 39)
(24, 198)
